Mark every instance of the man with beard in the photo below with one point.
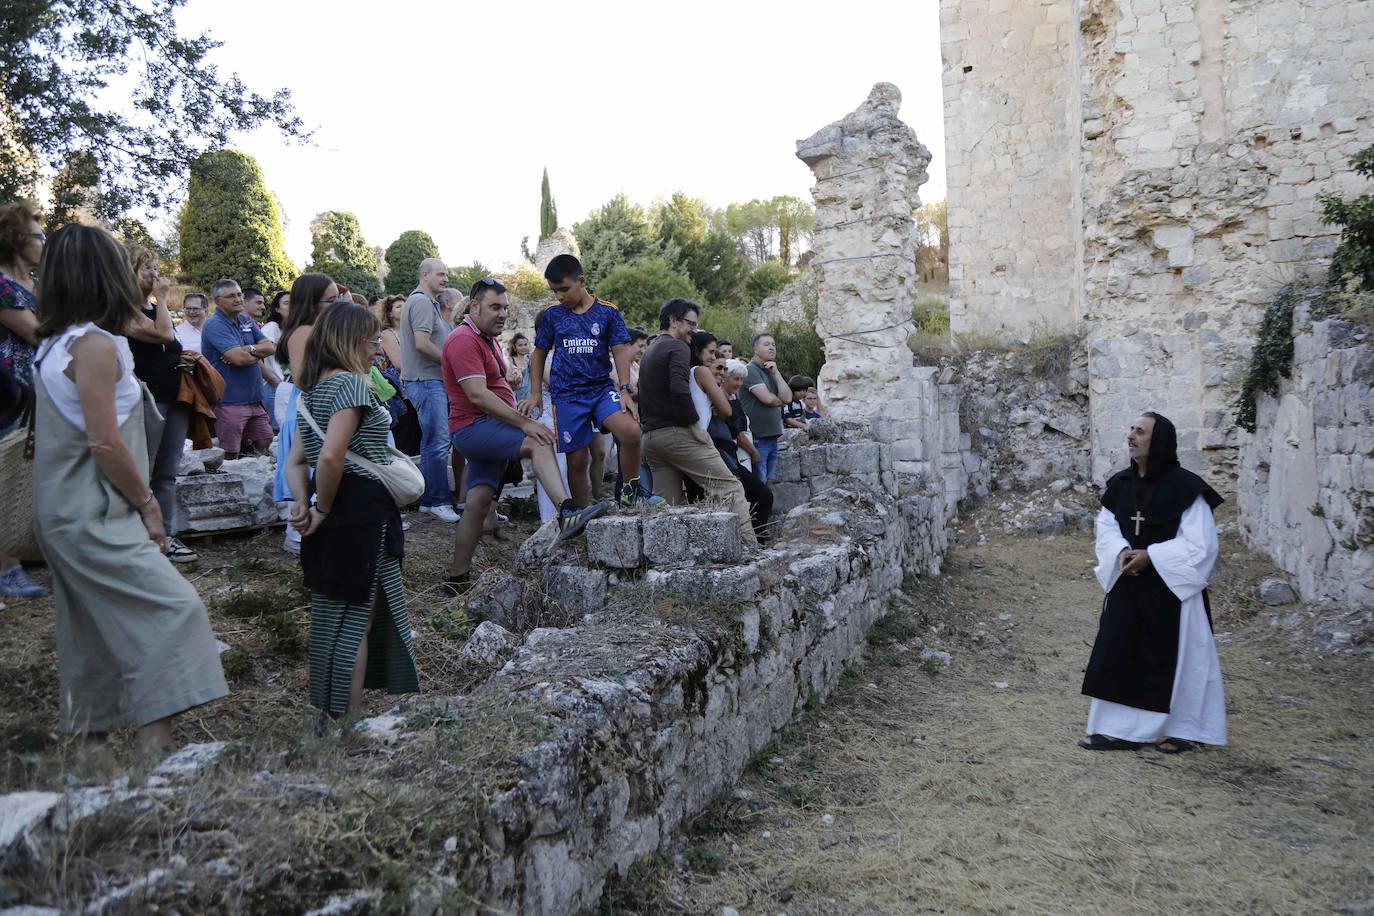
(1154, 675)
(488, 429)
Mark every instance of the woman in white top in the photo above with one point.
(706, 394)
(277, 313)
(134, 645)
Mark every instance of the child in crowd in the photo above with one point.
(794, 414)
(812, 403)
(584, 334)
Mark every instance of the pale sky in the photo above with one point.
(442, 117)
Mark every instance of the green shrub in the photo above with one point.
(403, 258)
(1272, 357)
(800, 349)
(766, 281)
(732, 324)
(641, 289)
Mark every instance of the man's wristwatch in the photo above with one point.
(627, 388)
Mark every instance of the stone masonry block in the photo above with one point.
(692, 538)
(852, 458)
(577, 589)
(789, 465)
(615, 541)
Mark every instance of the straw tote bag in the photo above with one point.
(401, 478)
(16, 482)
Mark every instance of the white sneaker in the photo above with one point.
(442, 513)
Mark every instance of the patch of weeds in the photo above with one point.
(704, 860)
(895, 627)
(724, 815)
(1272, 357)
(452, 622)
(639, 891)
(813, 700)
(1317, 510)
(431, 716)
(283, 632)
(932, 666)
(26, 738)
(235, 662)
(1050, 357)
(262, 601)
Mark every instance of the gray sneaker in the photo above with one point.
(572, 521)
(178, 552)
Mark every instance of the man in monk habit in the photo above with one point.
(1154, 675)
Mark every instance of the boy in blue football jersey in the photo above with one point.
(585, 334)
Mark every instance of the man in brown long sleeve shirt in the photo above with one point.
(674, 446)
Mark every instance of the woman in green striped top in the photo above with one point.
(351, 539)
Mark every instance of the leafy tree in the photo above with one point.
(800, 349)
(361, 280)
(462, 278)
(337, 236)
(339, 249)
(59, 58)
(403, 258)
(1353, 261)
(230, 225)
(618, 233)
(775, 225)
(130, 231)
(767, 280)
(640, 289)
(715, 266)
(932, 237)
(525, 282)
(679, 222)
(548, 211)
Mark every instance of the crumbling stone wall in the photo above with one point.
(1011, 163)
(869, 167)
(1309, 498)
(1198, 137)
(787, 305)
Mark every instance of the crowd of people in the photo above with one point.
(333, 383)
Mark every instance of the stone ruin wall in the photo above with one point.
(1198, 137)
(646, 723)
(869, 167)
(1011, 165)
(1308, 501)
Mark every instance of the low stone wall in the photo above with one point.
(635, 675)
(1308, 500)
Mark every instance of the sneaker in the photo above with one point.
(442, 513)
(14, 583)
(178, 552)
(571, 520)
(291, 543)
(631, 497)
(503, 519)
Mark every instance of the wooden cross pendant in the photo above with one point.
(1137, 518)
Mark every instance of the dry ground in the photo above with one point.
(925, 789)
(254, 595)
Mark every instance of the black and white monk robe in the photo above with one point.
(1197, 705)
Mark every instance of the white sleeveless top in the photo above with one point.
(700, 400)
(55, 355)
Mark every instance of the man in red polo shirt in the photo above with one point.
(486, 427)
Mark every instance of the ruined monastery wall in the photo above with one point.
(1011, 164)
(1309, 498)
(1202, 134)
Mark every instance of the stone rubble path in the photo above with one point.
(958, 788)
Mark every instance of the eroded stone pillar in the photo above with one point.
(869, 167)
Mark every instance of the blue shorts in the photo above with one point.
(488, 445)
(576, 418)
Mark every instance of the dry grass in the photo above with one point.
(252, 589)
(950, 795)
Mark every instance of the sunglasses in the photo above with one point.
(489, 281)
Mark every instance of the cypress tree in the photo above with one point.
(230, 225)
(548, 211)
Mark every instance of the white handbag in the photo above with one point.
(401, 477)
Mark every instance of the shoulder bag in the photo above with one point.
(401, 478)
